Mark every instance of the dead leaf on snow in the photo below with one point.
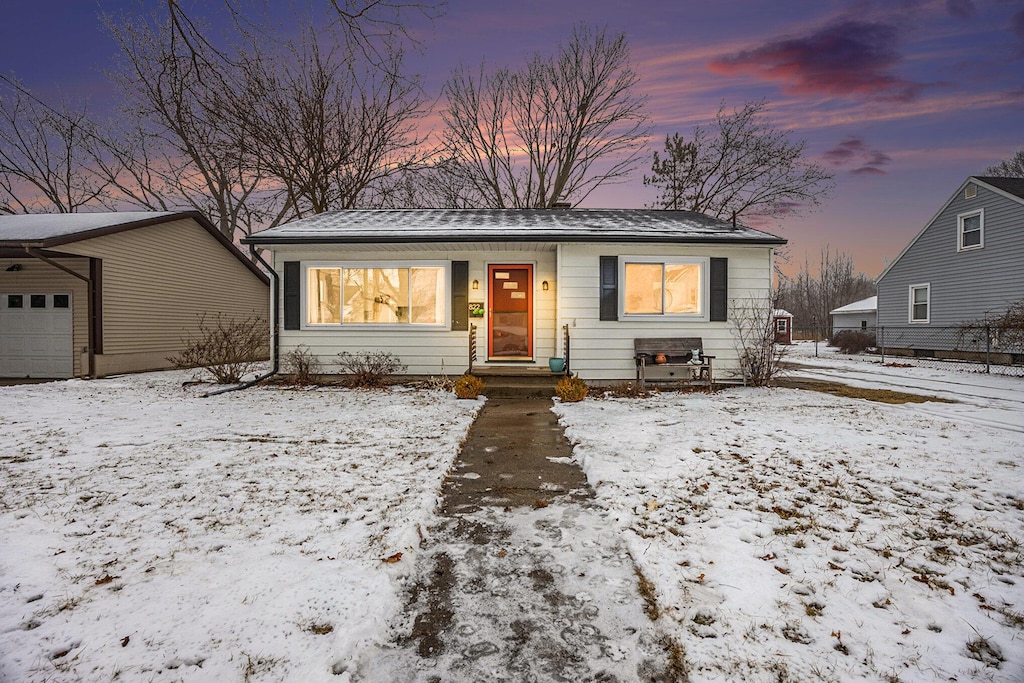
(391, 560)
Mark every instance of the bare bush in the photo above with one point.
(753, 325)
(227, 347)
(369, 369)
(303, 366)
(853, 341)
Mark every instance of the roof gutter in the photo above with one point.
(90, 305)
(275, 315)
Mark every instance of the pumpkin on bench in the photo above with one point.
(679, 359)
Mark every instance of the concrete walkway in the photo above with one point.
(520, 580)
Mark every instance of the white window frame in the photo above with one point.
(927, 287)
(445, 324)
(980, 213)
(781, 325)
(705, 287)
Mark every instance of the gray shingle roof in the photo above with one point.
(48, 227)
(1014, 186)
(510, 225)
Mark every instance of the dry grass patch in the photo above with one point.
(877, 395)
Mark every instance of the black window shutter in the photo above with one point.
(460, 295)
(719, 289)
(292, 300)
(609, 288)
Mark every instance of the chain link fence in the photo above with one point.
(966, 349)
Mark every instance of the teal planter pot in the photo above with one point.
(556, 364)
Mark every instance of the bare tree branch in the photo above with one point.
(743, 166)
(551, 132)
(1008, 168)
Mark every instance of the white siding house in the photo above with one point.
(859, 316)
(416, 283)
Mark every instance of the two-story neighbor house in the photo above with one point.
(420, 283)
(967, 264)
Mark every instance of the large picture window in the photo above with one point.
(378, 294)
(659, 287)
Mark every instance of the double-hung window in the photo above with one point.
(376, 294)
(654, 286)
(920, 303)
(970, 230)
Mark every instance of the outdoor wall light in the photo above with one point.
(544, 285)
(14, 268)
(476, 284)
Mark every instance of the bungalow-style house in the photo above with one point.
(964, 266)
(859, 316)
(518, 286)
(782, 323)
(95, 294)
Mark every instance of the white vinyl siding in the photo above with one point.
(427, 349)
(603, 350)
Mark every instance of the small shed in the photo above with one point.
(860, 316)
(95, 294)
(783, 323)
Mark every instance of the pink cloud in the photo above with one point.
(853, 150)
(843, 58)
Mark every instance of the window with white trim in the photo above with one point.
(970, 228)
(920, 303)
(653, 286)
(376, 294)
(781, 325)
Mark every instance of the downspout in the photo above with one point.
(275, 354)
(90, 324)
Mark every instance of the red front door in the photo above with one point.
(510, 321)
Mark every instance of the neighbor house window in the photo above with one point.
(781, 325)
(378, 294)
(920, 303)
(664, 287)
(971, 230)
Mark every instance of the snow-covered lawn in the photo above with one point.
(148, 534)
(794, 535)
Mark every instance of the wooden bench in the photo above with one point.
(677, 362)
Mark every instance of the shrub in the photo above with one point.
(369, 369)
(571, 389)
(853, 341)
(468, 386)
(226, 347)
(303, 366)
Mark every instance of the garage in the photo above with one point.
(36, 335)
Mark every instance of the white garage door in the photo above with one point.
(35, 335)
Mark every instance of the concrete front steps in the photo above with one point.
(517, 382)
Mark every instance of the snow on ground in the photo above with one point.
(148, 534)
(794, 535)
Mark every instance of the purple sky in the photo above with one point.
(902, 99)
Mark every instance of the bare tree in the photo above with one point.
(550, 132)
(753, 324)
(47, 154)
(810, 296)
(1008, 168)
(328, 129)
(740, 166)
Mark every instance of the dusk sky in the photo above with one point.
(901, 99)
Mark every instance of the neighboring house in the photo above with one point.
(414, 282)
(964, 266)
(94, 294)
(860, 316)
(782, 321)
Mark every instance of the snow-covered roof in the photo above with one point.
(40, 228)
(522, 225)
(869, 305)
(781, 313)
